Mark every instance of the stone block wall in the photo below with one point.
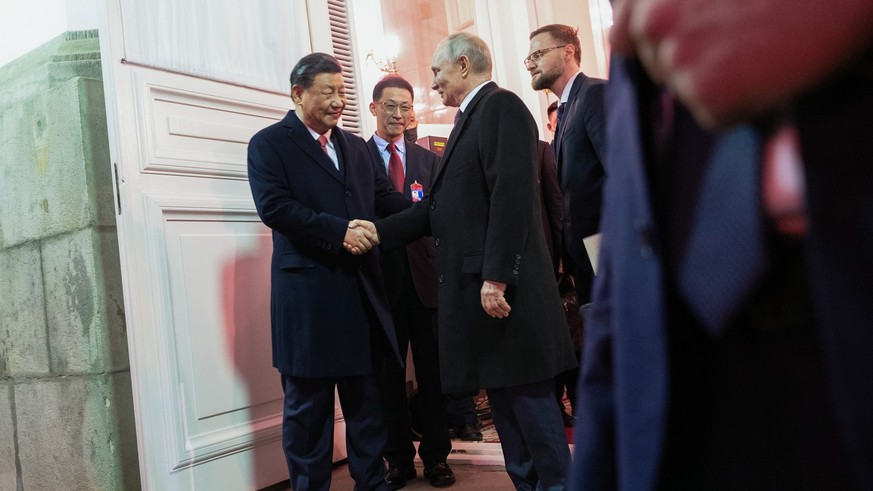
(66, 413)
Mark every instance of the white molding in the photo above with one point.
(185, 131)
(188, 445)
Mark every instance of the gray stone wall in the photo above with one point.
(66, 414)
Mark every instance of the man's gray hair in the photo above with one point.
(469, 45)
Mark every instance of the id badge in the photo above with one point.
(416, 191)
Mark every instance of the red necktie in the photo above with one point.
(395, 168)
(323, 141)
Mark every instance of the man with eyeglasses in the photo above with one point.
(579, 142)
(553, 63)
(411, 283)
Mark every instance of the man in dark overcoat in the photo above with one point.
(331, 323)
(501, 324)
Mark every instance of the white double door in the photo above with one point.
(181, 106)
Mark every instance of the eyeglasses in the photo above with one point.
(390, 107)
(536, 55)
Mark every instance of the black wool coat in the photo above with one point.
(484, 213)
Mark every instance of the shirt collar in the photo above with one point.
(471, 95)
(382, 144)
(567, 88)
(314, 133)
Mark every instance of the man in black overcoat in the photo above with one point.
(501, 324)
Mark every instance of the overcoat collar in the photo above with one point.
(459, 127)
(301, 137)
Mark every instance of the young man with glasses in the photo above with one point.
(553, 63)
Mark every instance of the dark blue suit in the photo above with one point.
(330, 318)
(411, 283)
(781, 396)
(579, 148)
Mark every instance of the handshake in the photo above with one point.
(361, 236)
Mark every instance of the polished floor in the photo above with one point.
(487, 477)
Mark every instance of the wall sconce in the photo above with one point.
(385, 57)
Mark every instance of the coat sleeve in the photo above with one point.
(277, 206)
(407, 226)
(508, 156)
(594, 459)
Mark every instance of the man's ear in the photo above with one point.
(373, 108)
(464, 63)
(297, 94)
(571, 53)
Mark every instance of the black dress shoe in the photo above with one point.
(398, 474)
(440, 474)
(469, 433)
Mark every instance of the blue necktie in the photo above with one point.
(560, 116)
(457, 117)
(725, 252)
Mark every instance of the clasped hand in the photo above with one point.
(361, 236)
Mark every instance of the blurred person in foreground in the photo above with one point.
(730, 342)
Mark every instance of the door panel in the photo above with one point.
(195, 256)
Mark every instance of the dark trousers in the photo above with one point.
(307, 430)
(568, 380)
(532, 435)
(462, 412)
(583, 280)
(415, 326)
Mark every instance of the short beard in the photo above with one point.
(544, 81)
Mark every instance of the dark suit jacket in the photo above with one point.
(327, 305)
(420, 256)
(579, 149)
(484, 212)
(552, 201)
(624, 388)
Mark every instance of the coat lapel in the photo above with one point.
(570, 109)
(414, 165)
(299, 134)
(459, 128)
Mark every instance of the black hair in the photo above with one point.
(391, 81)
(310, 66)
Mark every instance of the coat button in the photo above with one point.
(441, 278)
(433, 205)
(436, 242)
(518, 256)
(348, 194)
